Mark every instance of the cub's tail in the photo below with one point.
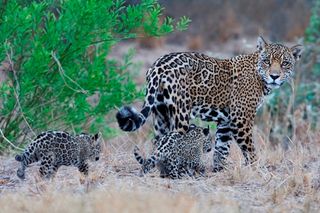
(19, 158)
(137, 155)
(21, 170)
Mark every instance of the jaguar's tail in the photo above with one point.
(129, 119)
(137, 155)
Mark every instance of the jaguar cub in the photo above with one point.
(56, 148)
(177, 155)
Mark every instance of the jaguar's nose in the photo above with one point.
(274, 76)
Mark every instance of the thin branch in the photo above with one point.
(64, 75)
(118, 39)
(9, 142)
(16, 91)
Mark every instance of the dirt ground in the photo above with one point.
(281, 181)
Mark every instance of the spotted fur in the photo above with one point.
(178, 155)
(56, 148)
(182, 86)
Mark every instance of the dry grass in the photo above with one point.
(281, 181)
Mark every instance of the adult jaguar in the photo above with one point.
(228, 91)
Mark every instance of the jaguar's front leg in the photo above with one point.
(242, 115)
(242, 125)
(243, 137)
(248, 150)
(201, 169)
(83, 167)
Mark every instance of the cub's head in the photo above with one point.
(203, 134)
(94, 142)
(276, 62)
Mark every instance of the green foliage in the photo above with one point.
(183, 23)
(312, 39)
(60, 76)
(304, 93)
(313, 30)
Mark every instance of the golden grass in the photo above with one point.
(281, 181)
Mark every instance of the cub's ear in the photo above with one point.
(191, 127)
(97, 136)
(297, 51)
(206, 131)
(157, 137)
(261, 44)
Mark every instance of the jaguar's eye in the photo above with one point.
(266, 61)
(285, 64)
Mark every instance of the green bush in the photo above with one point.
(312, 40)
(56, 53)
(313, 30)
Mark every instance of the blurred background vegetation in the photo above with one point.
(66, 64)
(54, 56)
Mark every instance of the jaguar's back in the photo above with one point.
(56, 142)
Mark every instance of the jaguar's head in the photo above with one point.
(94, 142)
(276, 62)
(203, 134)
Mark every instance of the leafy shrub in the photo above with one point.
(313, 30)
(312, 39)
(59, 75)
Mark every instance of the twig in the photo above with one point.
(292, 100)
(16, 91)
(9, 142)
(64, 75)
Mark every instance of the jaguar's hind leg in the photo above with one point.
(223, 139)
(149, 164)
(170, 169)
(172, 110)
(164, 169)
(161, 119)
(174, 172)
(181, 114)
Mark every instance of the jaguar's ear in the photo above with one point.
(261, 44)
(191, 127)
(296, 51)
(96, 137)
(206, 131)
